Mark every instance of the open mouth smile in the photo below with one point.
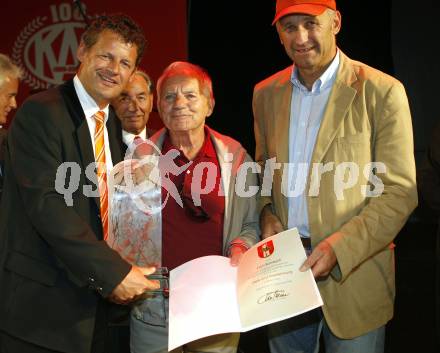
(304, 50)
(107, 79)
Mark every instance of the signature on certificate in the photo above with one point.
(275, 295)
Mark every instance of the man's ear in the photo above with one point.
(337, 22)
(279, 31)
(211, 104)
(81, 51)
(151, 98)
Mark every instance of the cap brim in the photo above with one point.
(306, 9)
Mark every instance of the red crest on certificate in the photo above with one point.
(266, 249)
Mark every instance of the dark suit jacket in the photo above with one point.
(3, 135)
(54, 265)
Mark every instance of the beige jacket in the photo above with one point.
(367, 119)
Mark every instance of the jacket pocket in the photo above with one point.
(30, 268)
(354, 139)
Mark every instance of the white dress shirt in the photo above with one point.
(306, 112)
(128, 137)
(90, 108)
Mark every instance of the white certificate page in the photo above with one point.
(270, 286)
(203, 300)
(208, 296)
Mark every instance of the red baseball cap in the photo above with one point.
(308, 7)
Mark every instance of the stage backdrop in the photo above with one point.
(42, 37)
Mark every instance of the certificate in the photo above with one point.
(208, 296)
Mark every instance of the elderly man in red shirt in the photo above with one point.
(216, 219)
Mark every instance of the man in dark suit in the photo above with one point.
(133, 108)
(57, 273)
(9, 78)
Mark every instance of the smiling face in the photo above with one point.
(106, 66)
(310, 41)
(8, 92)
(134, 105)
(182, 105)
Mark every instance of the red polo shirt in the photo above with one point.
(186, 236)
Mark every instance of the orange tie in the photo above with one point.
(101, 170)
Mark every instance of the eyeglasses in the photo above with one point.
(197, 212)
(194, 211)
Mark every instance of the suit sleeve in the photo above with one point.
(37, 149)
(375, 227)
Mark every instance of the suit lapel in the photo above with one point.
(282, 120)
(281, 126)
(3, 134)
(82, 133)
(340, 100)
(114, 130)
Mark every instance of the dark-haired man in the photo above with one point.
(133, 108)
(57, 273)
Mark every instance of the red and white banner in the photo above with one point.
(42, 36)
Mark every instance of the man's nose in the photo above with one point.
(133, 105)
(302, 35)
(180, 101)
(113, 66)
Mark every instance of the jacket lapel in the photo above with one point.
(281, 107)
(340, 100)
(82, 134)
(114, 130)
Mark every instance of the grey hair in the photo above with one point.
(8, 69)
(147, 79)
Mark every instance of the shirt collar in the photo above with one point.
(207, 149)
(128, 137)
(324, 81)
(88, 104)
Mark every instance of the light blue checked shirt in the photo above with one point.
(306, 112)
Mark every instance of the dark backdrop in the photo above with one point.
(236, 43)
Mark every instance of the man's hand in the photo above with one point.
(269, 223)
(321, 260)
(134, 285)
(235, 254)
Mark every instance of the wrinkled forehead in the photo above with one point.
(183, 81)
